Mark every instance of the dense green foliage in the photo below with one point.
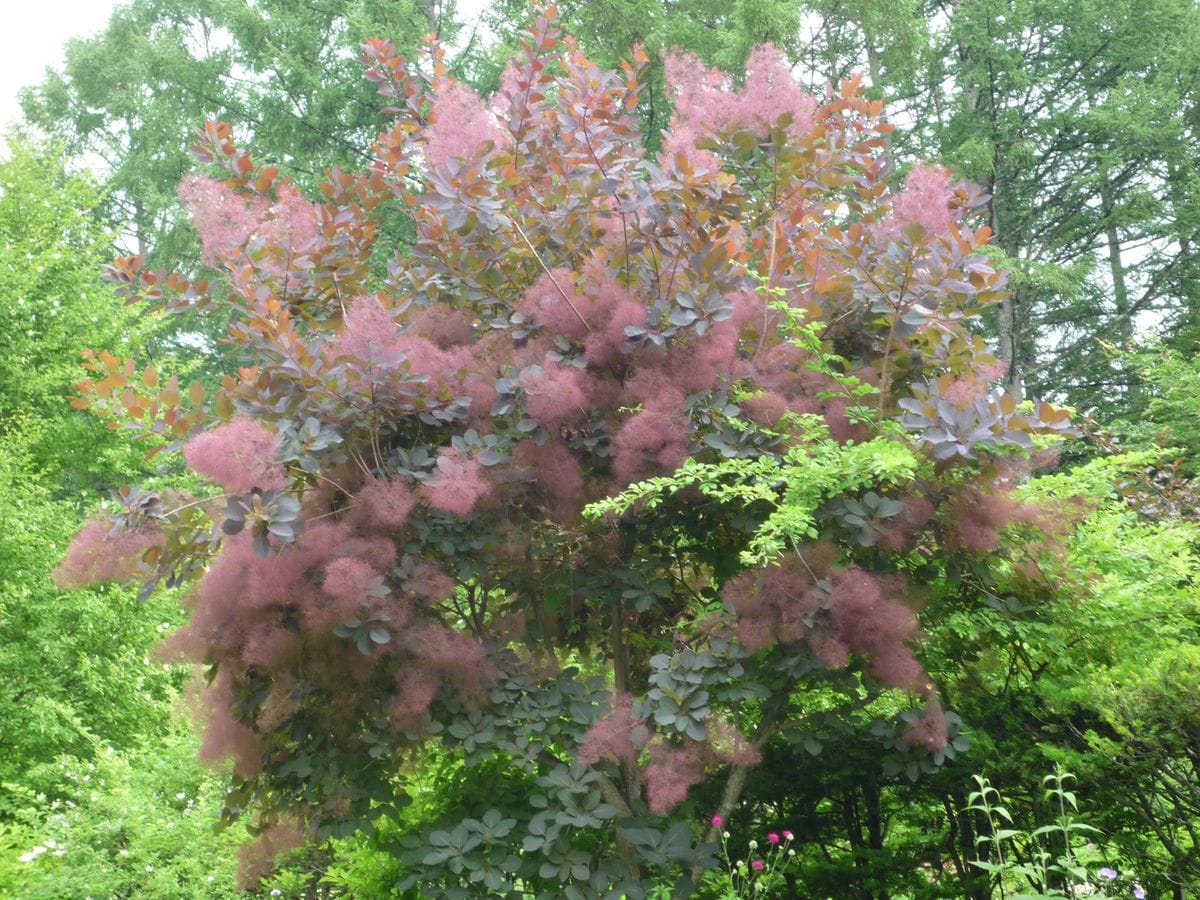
(1076, 654)
(50, 245)
(73, 672)
(96, 768)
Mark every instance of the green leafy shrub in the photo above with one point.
(123, 824)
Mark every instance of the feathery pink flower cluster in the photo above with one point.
(369, 336)
(553, 394)
(671, 774)
(386, 503)
(238, 455)
(618, 737)
(224, 218)
(928, 731)
(97, 555)
(457, 483)
(925, 200)
(706, 103)
(460, 124)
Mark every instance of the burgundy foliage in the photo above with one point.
(574, 315)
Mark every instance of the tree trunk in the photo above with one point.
(1009, 319)
(1116, 267)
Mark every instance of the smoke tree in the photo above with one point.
(635, 467)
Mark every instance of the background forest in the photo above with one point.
(1076, 768)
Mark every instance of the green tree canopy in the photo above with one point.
(132, 95)
(1079, 120)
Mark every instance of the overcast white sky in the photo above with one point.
(32, 37)
(33, 34)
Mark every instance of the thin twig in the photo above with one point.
(549, 274)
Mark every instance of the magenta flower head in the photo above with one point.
(1107, 873)
(717, 822)
(787, 835)
(773, 838)
(758, 865)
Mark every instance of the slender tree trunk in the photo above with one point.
(971, 848)
(139, 228)
(874, 67)
(1116, 267)
(631, 783)
(873, 800)
(1009, 338)
(1190, 295)
(1009, 314)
